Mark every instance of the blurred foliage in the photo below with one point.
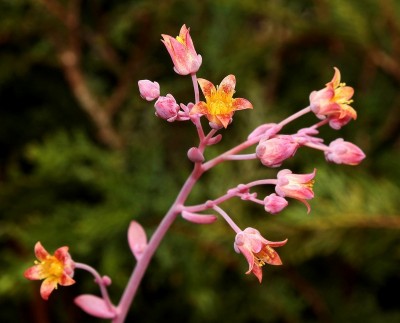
(63, 184)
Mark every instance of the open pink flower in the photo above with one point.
(297, 186)
(333, 102)
(257, 250)
(219, 106)
(54, 269)
(182, 52)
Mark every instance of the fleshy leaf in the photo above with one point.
(95, 306)
(137, 239)
(199, 218)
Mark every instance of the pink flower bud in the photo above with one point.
(274, 204)
(344, 152)
(167, 108)
(272, 152)
(195, 155)
(149, 90)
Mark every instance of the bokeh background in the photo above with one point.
(81, 155)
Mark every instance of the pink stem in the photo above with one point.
(143, 262)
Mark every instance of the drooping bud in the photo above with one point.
(149, 90)
(344, 152)
(272, 152)
(274, 204)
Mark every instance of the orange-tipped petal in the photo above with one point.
(228, 85)
(40, 252)
(241, 104)
(206, 87)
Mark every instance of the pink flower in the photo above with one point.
(149, 90)
(257, 250)
(219, 106)
(181, 49)
(297, 186)
(274, 204)
(272, 152)
(54, 269)
(344, 152)
(333, 102)
(167, 108)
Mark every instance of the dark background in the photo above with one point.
(81, 155)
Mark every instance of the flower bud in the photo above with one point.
(272, 152)
(274, 204)
(149, 90)
(195, 155)
(344, 152)
(167, 108)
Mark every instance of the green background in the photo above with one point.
(81, 155)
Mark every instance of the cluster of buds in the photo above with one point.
(331, 105)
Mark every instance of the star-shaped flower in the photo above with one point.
(54, 269)
(220, 104)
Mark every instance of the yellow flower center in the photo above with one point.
(180, 39)
(219, 103)
(264, 256)
(52, 267)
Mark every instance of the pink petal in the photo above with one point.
(224, 119)
(137, 239)
(66, 280)
(62, 254)
(199, 108)
(241, 104)
(34, 273)
(257, 271)
(95, 306)
(47, 287)
(206, 87)
(40, 252)
(228, 84)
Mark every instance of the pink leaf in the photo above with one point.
(95, 306)
(137, 239)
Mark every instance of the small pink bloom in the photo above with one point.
(344, 152)
(219, 106)
(257, 250)
(333, 102)
(167, 108)
(54, 269)
(272, 152)
(274, 204)
(149, 90)
(182, 52)
(297, 186)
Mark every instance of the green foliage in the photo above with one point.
(62, 185)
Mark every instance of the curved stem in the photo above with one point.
(295, 116)
(99, 281)
(154, 242)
